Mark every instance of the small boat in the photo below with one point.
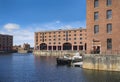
(68, 59)
(63, 61)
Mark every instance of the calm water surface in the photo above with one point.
(29, 68)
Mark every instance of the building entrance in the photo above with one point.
(43, 46)
(96, 47)
(67, 46)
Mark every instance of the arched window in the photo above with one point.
(43, 46)
(67, 46)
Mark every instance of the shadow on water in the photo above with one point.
(101, 76)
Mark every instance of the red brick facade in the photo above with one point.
(99, 40)
(72, 39)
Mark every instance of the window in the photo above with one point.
(74, 34)
(109, 28)
(109, 43)
(96, 16)
(66, 33)
(74, 42)
(42, 40)
(59, 43)
(80, 34)
(59, 47)
(96, 3)
(109, 14)
(74, 38)
(49, 47)
(80, 42)
(54, 47)
(80, 38)
(96, 29)
(74, 47)
(40, 36)
(109, 2)
(66, 39)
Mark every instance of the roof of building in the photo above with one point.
(6, 35)
(71, 29)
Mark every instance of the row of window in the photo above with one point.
(109, 43)
(3, 44)
(108, 15)
(108, 3)
(109, 28)
(80, 47)
(59, 39)
(59, 36)
(60, 43)
(59, 32)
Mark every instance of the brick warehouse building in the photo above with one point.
(103, 26)
(6, 42)
(72, 39)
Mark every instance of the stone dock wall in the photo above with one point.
(101, 62)
(55, 53)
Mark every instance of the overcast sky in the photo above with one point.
(21, 18)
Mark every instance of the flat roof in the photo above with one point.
(5, 35)
(72, 29)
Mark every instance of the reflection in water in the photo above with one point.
(101, 76)
(30, 68)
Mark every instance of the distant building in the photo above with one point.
(26, 46)
(70, 39)
(6, 42)
(16, 47)
(103, 26)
